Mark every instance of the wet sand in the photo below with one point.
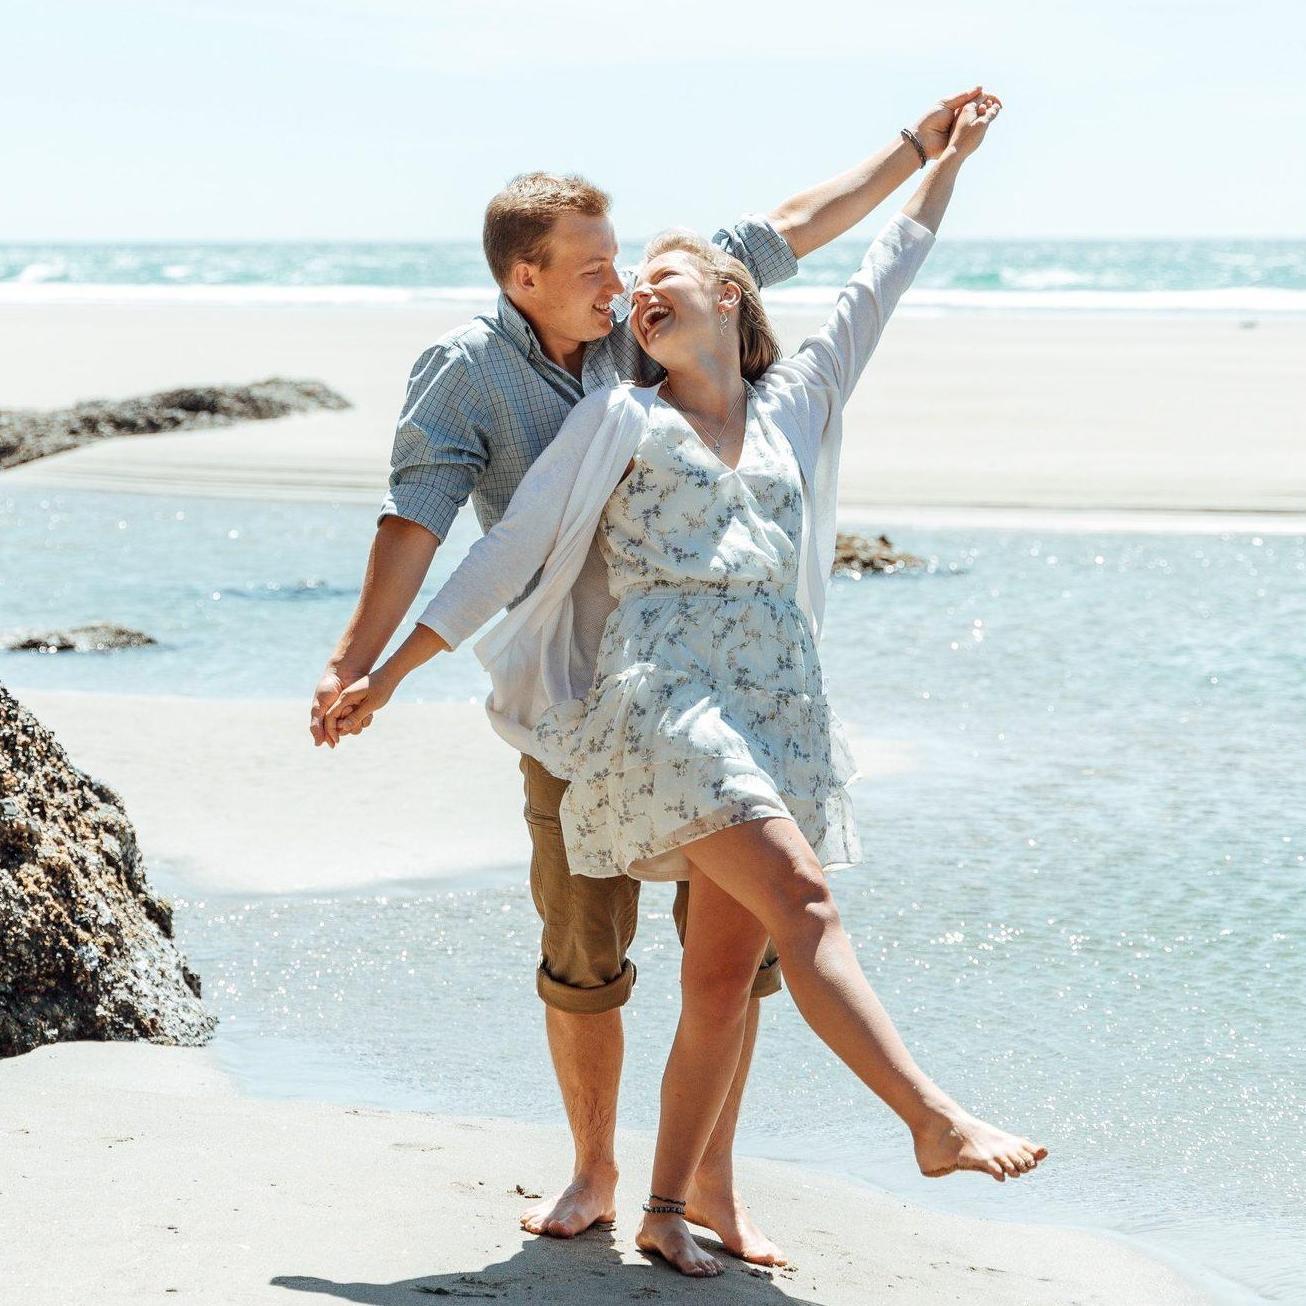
(135, 1173)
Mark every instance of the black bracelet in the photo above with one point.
(908, 135)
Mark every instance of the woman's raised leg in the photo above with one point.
(769, 869)
(723, 945)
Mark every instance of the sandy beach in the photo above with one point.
(159, 1181)
(957, 412)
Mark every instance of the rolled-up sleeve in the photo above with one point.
(760, 248)
(439, 448)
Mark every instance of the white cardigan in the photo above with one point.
(543, 652)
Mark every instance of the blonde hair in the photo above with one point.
(520, 217)
(758, 345)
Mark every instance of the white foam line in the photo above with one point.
(1250, 301)
(1238, 302)
(14, 293)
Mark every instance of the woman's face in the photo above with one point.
(674, 308)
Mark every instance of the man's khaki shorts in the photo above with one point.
(588, 922)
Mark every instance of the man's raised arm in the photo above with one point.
(816, 216)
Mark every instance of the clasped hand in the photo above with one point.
(358, 703)
(962, 114)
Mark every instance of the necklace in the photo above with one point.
(716, 444)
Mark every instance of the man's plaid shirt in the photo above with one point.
(484, 401)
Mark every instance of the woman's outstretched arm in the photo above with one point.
(829, 362)
(930, 202)
(503, 562)
(496, 570)
(823, 212)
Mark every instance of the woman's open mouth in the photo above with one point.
(652, 317)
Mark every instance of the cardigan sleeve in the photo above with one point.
(831, 361)
(500, 565)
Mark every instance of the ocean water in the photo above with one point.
(1239, 277)
(1085, 906)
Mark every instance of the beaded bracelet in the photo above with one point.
(910, 136)
(664, 1205)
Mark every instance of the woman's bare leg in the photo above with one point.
(712, 1199)
(769, 869)
(723, 945)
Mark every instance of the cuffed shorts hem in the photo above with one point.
(768, 979)
(586, 1001)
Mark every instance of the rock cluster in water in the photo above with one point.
(27, 434)
(854, 555)
(98, 637)
(86, 948)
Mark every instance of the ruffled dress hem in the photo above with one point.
(669, 863)
(609, 831)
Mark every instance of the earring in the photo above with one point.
(724, 318)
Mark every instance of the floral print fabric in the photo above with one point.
(708, 706)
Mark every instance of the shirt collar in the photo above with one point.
(597, 368)
(516, 326)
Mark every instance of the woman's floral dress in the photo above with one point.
(708, 706)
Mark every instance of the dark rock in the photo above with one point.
(27, 434)
(86, 948)
(855, 555)
(99, 637)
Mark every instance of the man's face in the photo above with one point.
(571, 296)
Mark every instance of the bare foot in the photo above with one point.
(727, 1215)
(960, 1141)
(668, 1236)
(589, 1199)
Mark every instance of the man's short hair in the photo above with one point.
(520, 217)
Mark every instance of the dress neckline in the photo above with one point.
(689, 426)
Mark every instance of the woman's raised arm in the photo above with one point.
(830, 362)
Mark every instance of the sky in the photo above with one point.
(397, 119)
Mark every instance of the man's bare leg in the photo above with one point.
(587, 1051)
(712, 1201)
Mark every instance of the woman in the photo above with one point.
(702, 747)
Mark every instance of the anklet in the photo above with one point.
(664, 1205)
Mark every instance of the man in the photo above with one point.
(482, 404)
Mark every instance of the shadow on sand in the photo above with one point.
(584, 1269)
